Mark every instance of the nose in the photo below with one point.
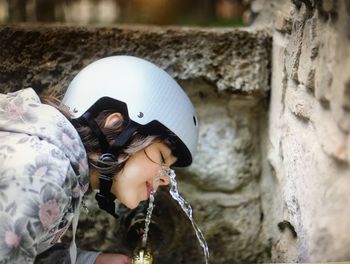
(164, 180)
(160, 179)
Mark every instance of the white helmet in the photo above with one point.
(149, 93)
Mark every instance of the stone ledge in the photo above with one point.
(47, 57)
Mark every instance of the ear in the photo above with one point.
(112, 119)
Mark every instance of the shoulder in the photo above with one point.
(31, 160)
(33, 124)
(27, 94)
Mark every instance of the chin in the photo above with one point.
(132, 205)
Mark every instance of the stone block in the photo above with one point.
(293, 49)
(309, 137)
(344, 121)
(47, 57)
(299, 103)
(346, 96)
(309, 51)
(226, 159)
(323, 83)
(348, 147)
(283, 22)
(328, 10)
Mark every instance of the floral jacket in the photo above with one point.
(43, 175)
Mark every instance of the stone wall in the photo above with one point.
(306, 178)
(226, 74)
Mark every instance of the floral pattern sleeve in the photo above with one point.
(43, 174)
(36, 205)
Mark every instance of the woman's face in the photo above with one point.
(142, 174)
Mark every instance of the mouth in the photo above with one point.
(149, 188)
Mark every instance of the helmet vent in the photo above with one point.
(195, 121)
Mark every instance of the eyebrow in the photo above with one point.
(171, 157)
(144, 150)
(162, 151)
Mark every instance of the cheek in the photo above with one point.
(150, 171)
(130, 184)
(127, 189)
(139, 171)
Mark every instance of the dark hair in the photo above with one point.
(91, 143)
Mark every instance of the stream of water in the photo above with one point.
(148, 219)
(185, 206)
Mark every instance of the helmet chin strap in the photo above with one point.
(104, 197)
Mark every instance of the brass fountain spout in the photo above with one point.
(143, 254)
(162, 234)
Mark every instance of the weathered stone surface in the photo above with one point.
(346, 96)
(226, 158)
(48, 57)
(293, 49)
(307, 141)
(306, 69)
(283, 22)
(232, 225)
(299, 102)
(323, 82)
(328, 9)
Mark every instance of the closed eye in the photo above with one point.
(162, 158)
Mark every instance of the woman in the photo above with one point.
(122, 115)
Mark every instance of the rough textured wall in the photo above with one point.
(306, 198)
(226, 74)
(234, 60)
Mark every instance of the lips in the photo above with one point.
(149, 189)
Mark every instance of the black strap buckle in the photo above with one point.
(104, 197)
